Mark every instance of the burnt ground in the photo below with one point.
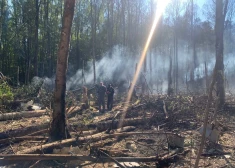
(185, 113)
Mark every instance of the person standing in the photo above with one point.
(110, 93)
(101, 94)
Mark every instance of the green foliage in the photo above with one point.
(6, 93)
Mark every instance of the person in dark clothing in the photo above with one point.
(101, 94)
(110, 93)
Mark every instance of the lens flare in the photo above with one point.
(161, 5)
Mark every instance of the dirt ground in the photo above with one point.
(186, 113)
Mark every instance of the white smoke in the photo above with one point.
(120, 68)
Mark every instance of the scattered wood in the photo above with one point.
(182, 107)
(173, 152)
(83, 133)
(23, 131)
(40, 132)
(33, 157)
(165, 111)
(111, 125)
(72, 111)
(167, 159)
(22, 114)
(101, 126)
(23, 138)
(114, 151)
(90, 138)
(9, 159)
(215, 154)
(114, 160)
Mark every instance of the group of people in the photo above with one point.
(102, 91)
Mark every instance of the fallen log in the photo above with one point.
(40, 132)
(23, 138)
(93, 138)
(90, 138)
(143, 133)
(101, 126)
(23, 131)
(83, 133)
(33, 137)
(215, 154)
(34, 157)
(114, 160)
(9, 159)
(22, 114)
(72, 111)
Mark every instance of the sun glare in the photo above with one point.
(161, 5)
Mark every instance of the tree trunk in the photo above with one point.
(36, 39)
(110, 27)
(93, 29)
(58, 128)
(206, 76)
(221, 8)
(123, 23)
(170, 89)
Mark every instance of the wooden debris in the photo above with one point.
(9, 159)
(114, 160)
(22, 114)
(23, 131)
(30, 157)
(90, 138)
(165, 111)
(101, 126)
(23, 138)
(215, 154)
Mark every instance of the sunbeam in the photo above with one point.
(161, 5)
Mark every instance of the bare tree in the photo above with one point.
(93, 32)
(218, 74)
(221, 9)
(58, 128)
(36, 38)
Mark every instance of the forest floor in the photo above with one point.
(163, 127)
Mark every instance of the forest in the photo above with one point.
(170, 64)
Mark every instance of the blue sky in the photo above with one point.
(200, 2)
